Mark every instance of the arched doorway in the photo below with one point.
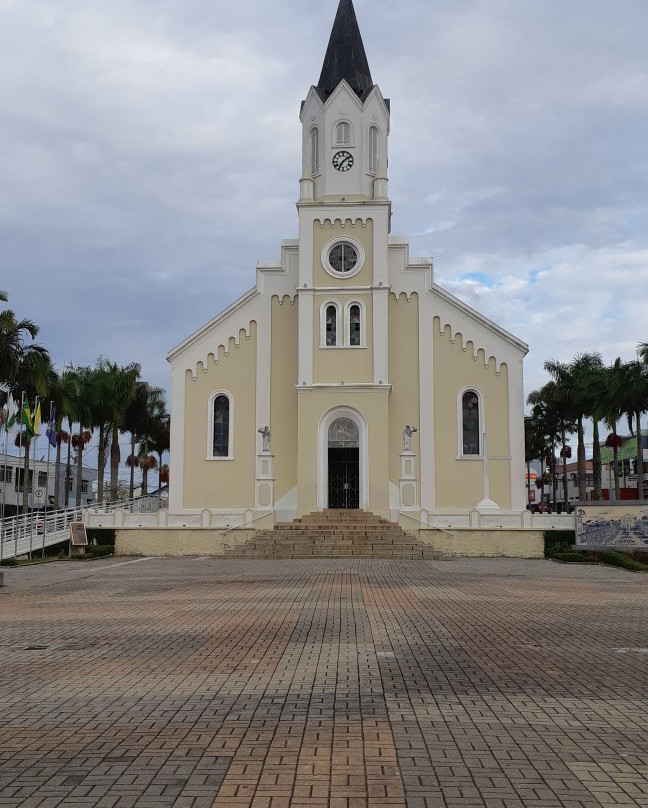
(343, 464)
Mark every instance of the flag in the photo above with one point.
(36, 425)
(12, 413)
(26, 420)
(50, 432)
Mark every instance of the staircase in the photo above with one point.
(335, 534)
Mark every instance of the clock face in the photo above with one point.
(342, 160)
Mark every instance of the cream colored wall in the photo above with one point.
(313, 406)
(323, 232)
(283, 396)
(178, 541)
(221, 483)
(337, 364)
(506, 543)
(404, 378)
(459, 482)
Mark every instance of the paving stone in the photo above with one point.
(327, 683)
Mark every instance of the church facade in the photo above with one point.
(347, 378)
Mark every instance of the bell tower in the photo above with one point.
(345, 123)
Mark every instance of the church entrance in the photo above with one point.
(343, 464)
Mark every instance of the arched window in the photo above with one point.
(470, 423)
(355, 337)
(372, 150)
(331, 324)
(221, 426)
(343, 134)
(314, 150)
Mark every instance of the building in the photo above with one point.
(41, 484)
(347, 377)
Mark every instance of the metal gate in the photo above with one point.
(343, 478)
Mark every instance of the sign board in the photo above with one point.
(39, 497)
(78, 535)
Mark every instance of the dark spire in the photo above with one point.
(345, 56)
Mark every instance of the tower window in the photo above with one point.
(354, 325)
(314, 151)
(343, 134)
(221, 426)
(373, 150)
(331, 324)
(343, 257)
(470, 422)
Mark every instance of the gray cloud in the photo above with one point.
(139, 141)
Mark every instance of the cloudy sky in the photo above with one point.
(139, 139)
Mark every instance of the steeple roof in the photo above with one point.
(345, 56)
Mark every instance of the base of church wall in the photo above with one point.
(178, 541)
(486, 543)
(185, 541)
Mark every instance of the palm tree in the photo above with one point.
(160, 438)
(642, 351)
(146, 407)
(635, 404)
(552, 409)
(613, 410)
(580, 383)
(119, 385)
(25, 367)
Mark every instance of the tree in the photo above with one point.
(635, 404)
(612, 405)
(580, 384)
(642, 350)
(552, 413)
(25, 367)
(146, 407)
(160, 439)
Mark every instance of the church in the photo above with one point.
(347, 378)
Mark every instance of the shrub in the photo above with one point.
(558, 541)
(9, 562)
(617, 559)
(574, 556)
(100, 550)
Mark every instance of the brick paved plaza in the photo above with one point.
(340, 683)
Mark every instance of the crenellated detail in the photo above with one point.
(221, 350)
(478, 354)
(333, 222)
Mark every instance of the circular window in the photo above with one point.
(343, 258)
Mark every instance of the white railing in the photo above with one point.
(31, 533)
(145, 504)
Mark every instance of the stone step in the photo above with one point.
(335, 534)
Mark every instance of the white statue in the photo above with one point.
(265, 434)
(407, 437)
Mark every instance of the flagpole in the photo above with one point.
(33, 487)
(4, 481)
(18, 470)
(49, 449)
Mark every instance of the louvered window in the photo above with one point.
(314, 150)
(373, 150)
(343, 134)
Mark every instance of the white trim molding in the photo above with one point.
(360, 252)
(338, 323)
(347, 323)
